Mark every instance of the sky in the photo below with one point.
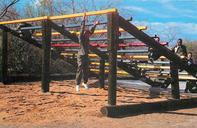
(166, 18)
(169, 19)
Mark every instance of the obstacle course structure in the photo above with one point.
(114, 23)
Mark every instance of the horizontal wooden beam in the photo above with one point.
(91, 39)
(105, 50)
(181, 77)
(38, 34)
(107, 71)
(153, 67)
(140, 66)
(101, 12)
(147, 108)
(119, 56)
(67, 26)
(132, 44)
(165, 76)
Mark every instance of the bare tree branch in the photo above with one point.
(3, 13)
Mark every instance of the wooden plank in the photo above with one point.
(121, 72)
(118, 56)
(4, 64)
(24, 20)
(132, 44)
(168, 76)
(153, 67)
(107, 71)
(46, 55)
(112, 34)
(140, 66)
(93, 39)
(120, 111)
(102, 31)
(101, 12)
(74, 25)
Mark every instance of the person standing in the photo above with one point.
(189, 83)
(82, 57)
(189, 59)
(180, 49)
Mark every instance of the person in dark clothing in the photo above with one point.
(180, 49)
(82, 57)
(152, 53)
(189, 59)
(189, 83)
(26, 33)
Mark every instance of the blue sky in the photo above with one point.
(170, 19)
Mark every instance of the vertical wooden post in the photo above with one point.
(46, 51)
(112, 35)
(4, 65)
(102, 73)
(175, 80)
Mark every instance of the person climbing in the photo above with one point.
(27, 33)
(152, 53)
(82, 57)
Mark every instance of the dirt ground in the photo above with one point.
(24, 105)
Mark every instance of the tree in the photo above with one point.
(24, 58)
(7, 10)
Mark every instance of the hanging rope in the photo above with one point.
(2, 14)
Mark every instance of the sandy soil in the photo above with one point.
(24, 105)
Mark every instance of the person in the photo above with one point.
(180, 49)
(152, 53)
(189, 59)
(82, 57)
(25, 32)
(189, 83)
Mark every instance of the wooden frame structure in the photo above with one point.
(48, 25)
(114, 22)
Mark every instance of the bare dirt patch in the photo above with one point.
(24, 105)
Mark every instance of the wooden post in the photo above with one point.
(102, 73)
(4, 65)
(46, 51)
(112, 35)
(175, 80)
